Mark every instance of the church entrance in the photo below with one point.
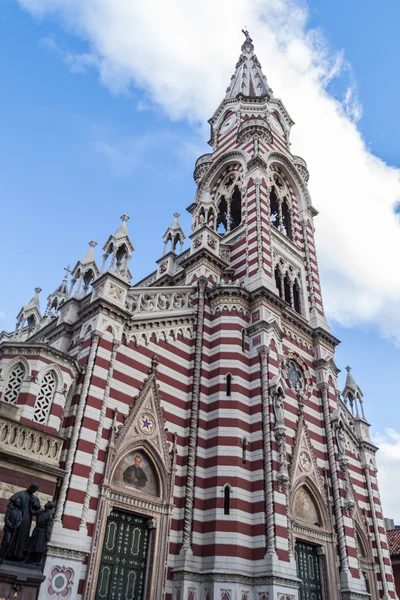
(308, 571)
(123, 558)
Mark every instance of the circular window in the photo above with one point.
(295, 375)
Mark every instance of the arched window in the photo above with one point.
(227, 500)
(281, 216)
(229, 203)
(45, 398)
(14, 384)
(229, 384)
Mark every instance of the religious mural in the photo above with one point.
(136, 472)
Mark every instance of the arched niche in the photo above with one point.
(305, 508)
(136, 472)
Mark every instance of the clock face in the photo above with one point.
(228, 124)
(276, 125)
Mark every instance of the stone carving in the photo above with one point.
(158, 301)
(41, 534)
(18, 527)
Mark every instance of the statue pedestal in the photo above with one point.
(20, 580)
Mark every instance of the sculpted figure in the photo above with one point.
(341, 440)
(279, 408)
(41, 534)
(29, 506)
(12, 522)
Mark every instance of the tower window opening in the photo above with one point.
(278, 280)
(286, 288)
(243, 340)
(222, 220)
(236, 208)
(281, 215)
(244, 450)
(229, 202)
(229, 384)
(296, 297)
(286, 222)
(275, 220)
(227, 500)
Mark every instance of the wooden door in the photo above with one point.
(308, 571)
(123, 558)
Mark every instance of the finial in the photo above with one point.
(348, 369)
(177, 215)
(154, 363)
(67, 271)
(92, 244)
(38, 290)
(124, 218)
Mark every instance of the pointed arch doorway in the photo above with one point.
(314, 543)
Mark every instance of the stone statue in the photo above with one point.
(279, 409)
(41, 534)
(12, 522)
(341, 441)
(29, 506)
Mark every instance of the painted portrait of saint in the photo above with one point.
(135, 475)
(135, 471)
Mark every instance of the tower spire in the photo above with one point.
(248, 78)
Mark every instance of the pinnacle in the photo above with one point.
(248, 79)
(122, 230)
(89, 256)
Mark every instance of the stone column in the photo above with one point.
(76, 430)
(337, 503)
(97, 442)
(267, 453)
(382, 570)
(194, 417)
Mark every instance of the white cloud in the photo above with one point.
(182, 54)
(388, 459)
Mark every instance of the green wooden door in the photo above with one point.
(308, 571)
(123, 558)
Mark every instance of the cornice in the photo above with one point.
(32, 464)
(37, 348)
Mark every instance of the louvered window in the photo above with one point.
(14, 384)
(44, 398)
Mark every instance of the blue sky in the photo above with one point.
(86, 139)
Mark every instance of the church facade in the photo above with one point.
(190, 428)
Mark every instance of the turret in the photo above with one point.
(30, 316)
(119, 249)
(84, 272)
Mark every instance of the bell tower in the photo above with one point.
(252, 192)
